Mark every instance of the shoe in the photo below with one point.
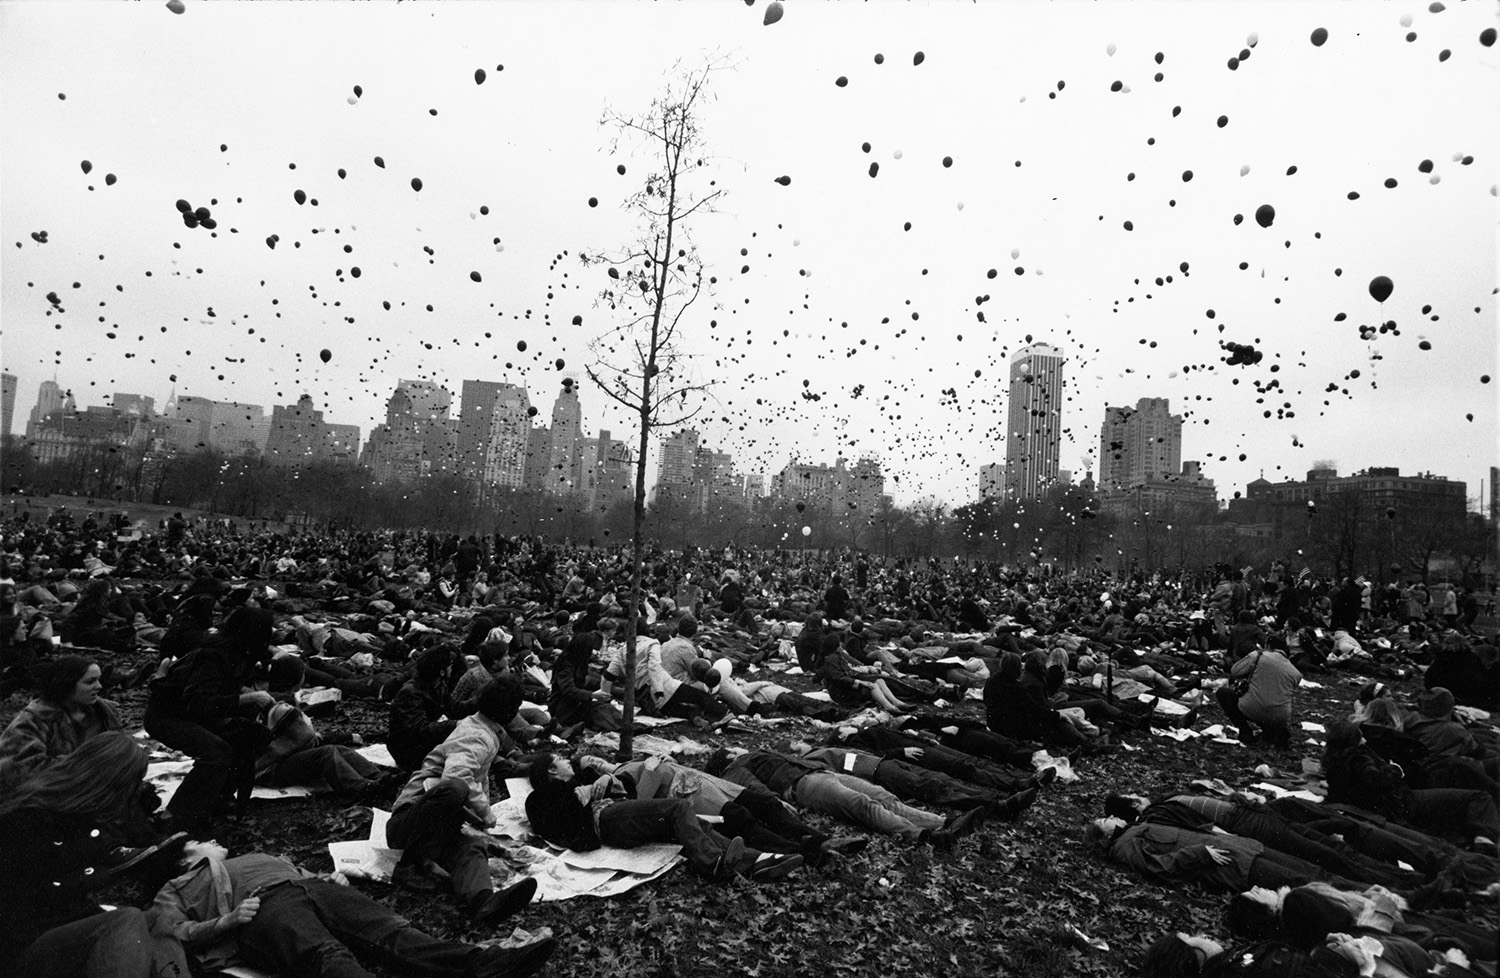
(1011, 808)
(729, 860)
(845, 845)
(410, 876)
(1248, 735)
(1042, 778)
(773, 866)
(514, 962)
(498, 906)
(969, 821)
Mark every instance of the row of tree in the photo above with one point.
(1065, 530)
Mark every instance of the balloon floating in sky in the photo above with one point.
(773, 13)
(1381, 288)
(784, 180)
(1319, 37)
(1109, 49)
(325, 355)
(521, 346)
(880, 59)
(109, 179)
(947, 161)
(380, 162)
(475, 277)
(86, 166)
(416, 184)
(841, 81)
(918, 58)
(175, 6)
(807, 531)
(1265, 215)
(479, 76)
(271, 241)
(593, 201)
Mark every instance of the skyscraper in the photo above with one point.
(474, 421)
(504, 447)
(1139, 445)
(679, 452)
(49, 398)
(7, 401)
(567, 427)
(1033, 436)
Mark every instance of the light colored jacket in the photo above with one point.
(465, 756)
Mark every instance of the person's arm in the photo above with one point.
(23, 748)
(409, 712)
(1244, 666)
(468, 762)
(174, 915)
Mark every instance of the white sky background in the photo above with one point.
(151, 96)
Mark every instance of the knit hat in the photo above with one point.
(1436, 703)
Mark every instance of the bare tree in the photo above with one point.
(652, 286)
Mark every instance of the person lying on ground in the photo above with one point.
(899, 745)
(771, 697)
(584, 807)
(909, 781)
(1182, 955)
(260, 911)
(810, 786)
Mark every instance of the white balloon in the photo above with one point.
(1109, 49)
(1406, 20)
(1015, 253)
(960, 205)
(896, 154)
(1245, 169)
(807, 531)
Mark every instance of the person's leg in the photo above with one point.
(338, 767)
(931, 787)
(1455, 813)
(1230, 704)
(824, 793)
(429, 828)
(372, 930)
(627, 824)
(888, 801)
(198, 795)
(1282, 837)
(288, 936)
(739, 821)
(116, 944)
(689, 700)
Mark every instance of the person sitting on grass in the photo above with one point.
(66, 711)
(260, 911)
(585, 807)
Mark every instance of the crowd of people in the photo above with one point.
(941, 697)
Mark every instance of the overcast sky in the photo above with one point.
(238, 106)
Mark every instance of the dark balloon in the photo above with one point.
(380, 162)
(918, 58)
(416, 184)
(325, 355)
(342, 173)
(479, 76)
(109, 179)
(841, 81)
(1381, 288)
(880, 59)
(86, 166)
(300, 196)
(474, 277)
(175, 6)
(1187, 175)
(593, 201)
(1319, 37)
(1265, 215)
(183, 206)
(560, 364)
(785, 181)
(773, 13)
(1487, 37)
(271, 241)
(874, 169)
(521, 346)
(1424, 345)
(620, 169)
(577, 320)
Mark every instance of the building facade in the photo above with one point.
(1033, 437)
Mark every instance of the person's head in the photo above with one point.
(1100, 832)
(1036, 662)
(479, 630)
(1370, 691)
(547, 767)
(1436, 703)
(500, 699)
(1179, 955)
(196, 610)
(688, 626)
(1255, 915)
(101, 777)
(1086, 665)
(1385, 713)
(287, 672)
(73, 681)
(1343, 736)
(1010, 666)
(1126, 807)
(1307, 918)
(249, 630)
(432, 663)
(580, 647)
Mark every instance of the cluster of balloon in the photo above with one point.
(196, 218)
(40, 237)
(1381, 288)
(1241, 353)
(773, 13)
(325, 355)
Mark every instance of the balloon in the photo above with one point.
(560, 365)
(109, 179)
(342, 173)
(807, 531)
(784, 180)
(1381, 288)
(593, 201)
(325, 355)
(1319, 37)
(416, 184)
(1244, 169)
(1109, 49)
(183, 206)
(773, 13)
(271, 241)
(841, 81)
(880, 59)
(1015, 253)
(474, 277)
(1265, 215)
(620, 169)
(175, 6)
(1487, 37)
(380, 162)
(947, 161)
(918, 58)
(874, 169)
(87, 166)
(521, 346)
(479, 76)
(300, 196)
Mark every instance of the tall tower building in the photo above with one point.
(49, 399)
(1139, 445)
(7, 401)
(679, 453)
(1033, 437)
(504, 447)
(992, 481)
(567, 427)
(476, 413)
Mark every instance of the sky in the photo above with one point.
(845, 314)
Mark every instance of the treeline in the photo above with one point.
(1065, 531)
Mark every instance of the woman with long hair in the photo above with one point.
(60, 837)
(66, 711)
